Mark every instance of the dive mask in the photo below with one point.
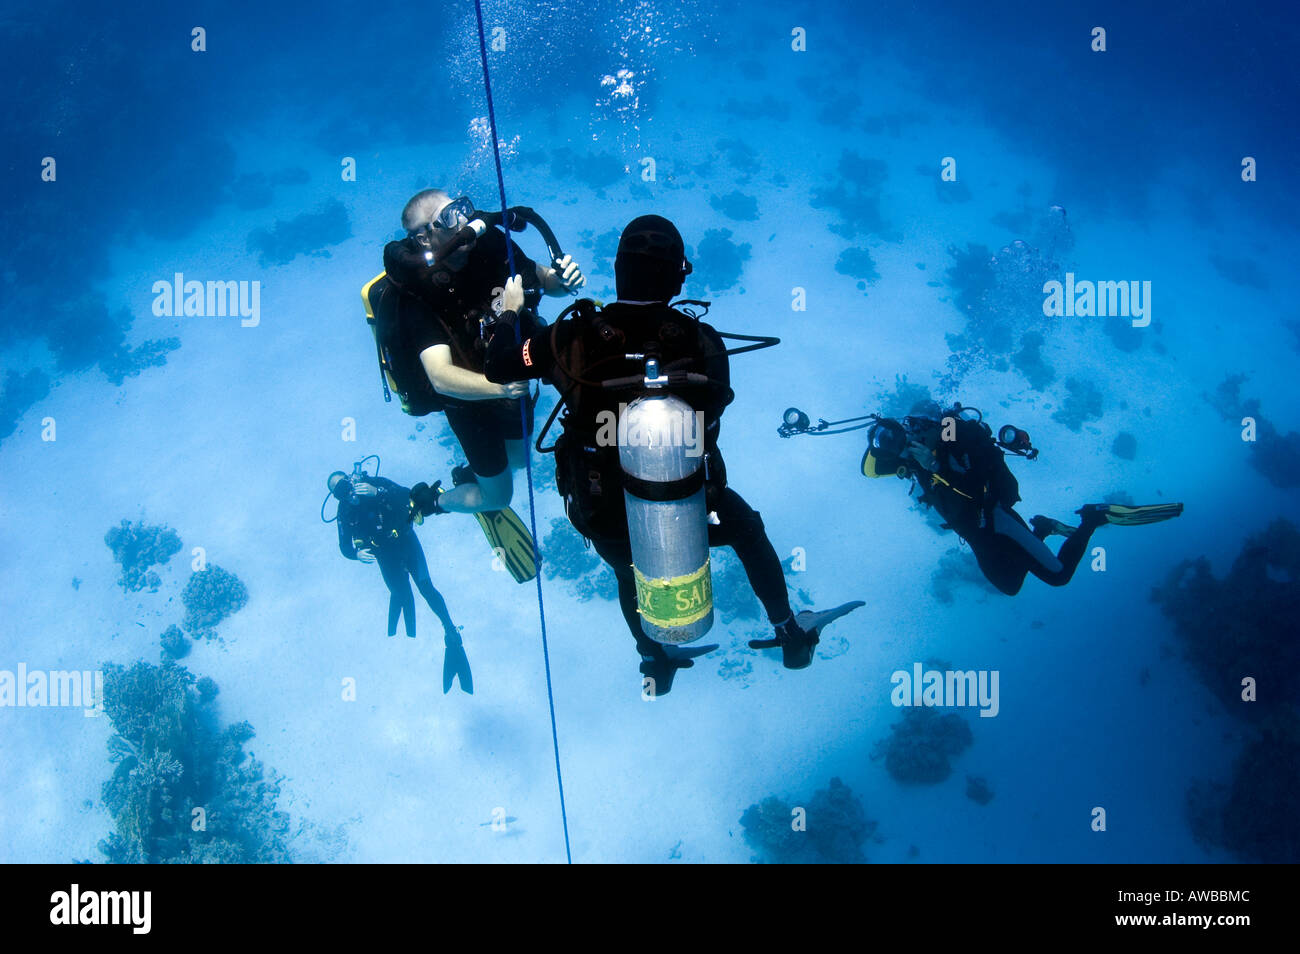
(886, 441)
(455, 214)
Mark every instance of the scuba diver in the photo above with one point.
(652, 509)
(454, 263)
(375, 527)
(963, 474)
(440, 289)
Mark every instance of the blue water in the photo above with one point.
(816, 169)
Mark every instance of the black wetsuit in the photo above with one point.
(379, 522)
(976, 493)
(455, 306)
(589, 477)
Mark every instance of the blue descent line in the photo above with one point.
(527, 431)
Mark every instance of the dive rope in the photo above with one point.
(523, 418)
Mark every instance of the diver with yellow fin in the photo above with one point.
(953, 456)
(643, 385)
(429, 309)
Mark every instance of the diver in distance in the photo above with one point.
(652, 508)
(961, 468)
(374, 527)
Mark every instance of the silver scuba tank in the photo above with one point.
(661, 450)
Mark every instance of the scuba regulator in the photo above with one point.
(515, 219)
(358, 485)
(476, 223)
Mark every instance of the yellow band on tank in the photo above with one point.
(670, 603)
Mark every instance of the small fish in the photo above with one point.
(508, 820)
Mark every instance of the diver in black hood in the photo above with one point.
(588, 357)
